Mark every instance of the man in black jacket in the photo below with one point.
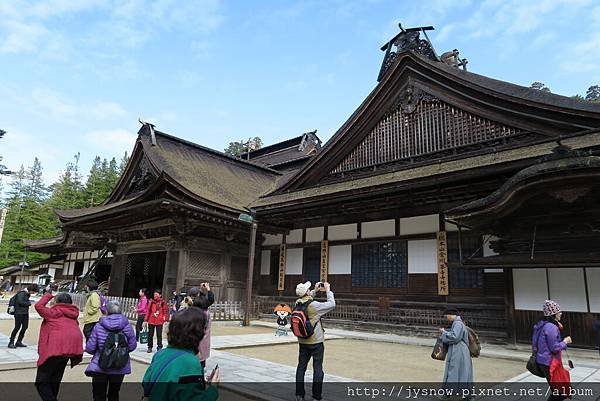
(22, 305)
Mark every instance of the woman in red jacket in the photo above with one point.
(60, 341)
(156, 315)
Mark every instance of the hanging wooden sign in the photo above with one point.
(281, 279)
(442, 257)
(324, 260)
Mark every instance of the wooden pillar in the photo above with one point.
(170, 275)
(182, 264)
(509, 307)
(225, 274)
(117, 275)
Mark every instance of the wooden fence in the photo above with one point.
(219, 310)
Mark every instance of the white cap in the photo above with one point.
(302, 288)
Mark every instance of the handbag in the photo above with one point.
(532, 365)
(440, 350)
(144, 336)
(560, 378)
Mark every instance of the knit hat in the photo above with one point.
(551, 308)
(302, 288)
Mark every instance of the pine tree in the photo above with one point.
(123, 163)
(68, 191)
(3, 169)
(93, 187)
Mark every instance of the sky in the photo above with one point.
(75, 75)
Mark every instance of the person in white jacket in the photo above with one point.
(313, 347)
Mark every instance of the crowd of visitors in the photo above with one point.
(178, 371)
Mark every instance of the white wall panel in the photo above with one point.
(265, 262)
(293, 261)
(422, 256)
(340, 259)
(342, 232)
(52, 272)
(419, 224)
(294, 237)
(593, 280)
(381, 228)
(567, 287)
(530, 288)
(487, 251)
(272, 239)
(315, 234)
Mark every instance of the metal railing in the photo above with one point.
(220, 311)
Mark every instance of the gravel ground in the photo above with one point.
(376, 361)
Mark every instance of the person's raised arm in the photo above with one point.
(43, 310)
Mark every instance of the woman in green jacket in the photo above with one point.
(175, 373)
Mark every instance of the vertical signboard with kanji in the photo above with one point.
(281, 279)
(324, 260)
(442, 258)
(2, 220)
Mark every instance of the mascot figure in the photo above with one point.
(283, 312)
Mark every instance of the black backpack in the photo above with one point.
(11, 305)
(115, 353)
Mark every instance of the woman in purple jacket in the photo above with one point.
(547, 342)
(108, 382)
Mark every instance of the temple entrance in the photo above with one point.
(143, 270)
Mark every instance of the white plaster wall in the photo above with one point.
(422, 256)
(419, 224)
(530, 288)
(265, 262)
(381, 228)
(487, 251)
(567, 287)
(315, 234)
(342, 232)
(52, 271)
(340, 259)
(273, 239)
(593, 280)
(294, 237)
(293, 261)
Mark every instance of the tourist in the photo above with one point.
(156, 316)
(140, 309)
(91, 310)
(458, 374)
(546, 340)
(106, 382)
(60, 341)
(312, 347)
(174, 303)
(21, 315)
(203, 298)
(175, 373)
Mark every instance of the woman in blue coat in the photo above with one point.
(107, 383)
(458, 374)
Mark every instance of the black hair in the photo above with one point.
(33, 288)
(144, 290)
(186, 329)
(92, 284)
(451, 311)
(158, 290)
(63, 298)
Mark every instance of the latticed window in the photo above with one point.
(461, 277)
(311, 264)
(380, 264)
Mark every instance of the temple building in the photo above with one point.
(444, 187)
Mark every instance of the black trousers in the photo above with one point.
(48, 377)
(106, 387)
(138, 326)
(151, 329)
(21, 322)
(316, 352)
(87, 330)
(546, 371)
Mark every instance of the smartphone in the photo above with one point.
(212, 374)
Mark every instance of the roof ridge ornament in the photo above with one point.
(407, 39)
(150, 129)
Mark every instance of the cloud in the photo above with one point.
(116, 140)
(60, 107)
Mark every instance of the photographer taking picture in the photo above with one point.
(307, 326)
